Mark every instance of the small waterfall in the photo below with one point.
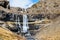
(18, 23)
(25, 23)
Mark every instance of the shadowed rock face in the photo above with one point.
(31, 18)
(4, 3)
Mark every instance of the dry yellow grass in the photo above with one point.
(50, 32)
(8, 35)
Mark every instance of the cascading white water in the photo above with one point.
(18, 22)
(24, 4)
(25, 24)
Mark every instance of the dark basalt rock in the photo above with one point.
(4, 3)
(39, 16)
(33, 27)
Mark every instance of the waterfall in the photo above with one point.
(25, 23)
(18, 22)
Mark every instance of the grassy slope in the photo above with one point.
(50, 32)
(8, 35)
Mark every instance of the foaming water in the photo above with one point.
(25, 23)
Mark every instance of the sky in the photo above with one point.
(22, 3)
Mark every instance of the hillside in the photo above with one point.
(50, 32)
(8, 35)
